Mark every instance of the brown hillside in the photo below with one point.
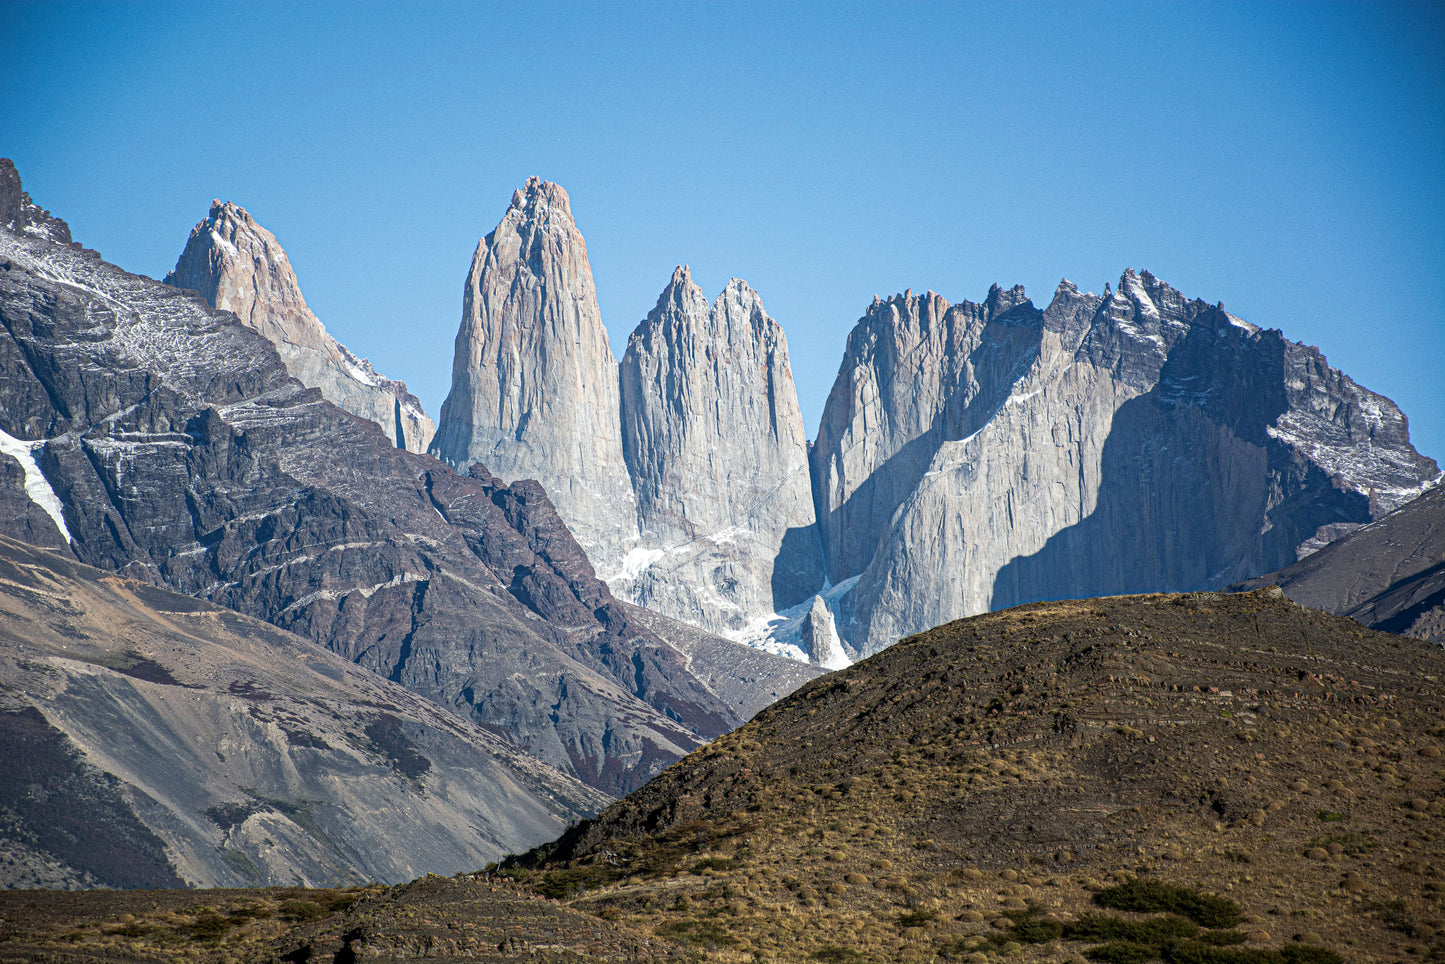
(936, 798)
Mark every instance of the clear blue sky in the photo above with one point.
(1286, 159)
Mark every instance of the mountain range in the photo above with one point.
(155, 740)
(152, 435)
(607, 564)
(971, 456)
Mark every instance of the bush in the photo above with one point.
(1351, 844)
(561, 884)
(917, 918)
(1123, 952)
(704, 933)
(1192, 953)
(1155, 930)
(1036, 931)
(1150, 896)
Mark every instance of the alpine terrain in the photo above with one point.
(238, 266)
(149, 434)
(1389, 575)
(1206, 778)
(970, 456)
(154, 740)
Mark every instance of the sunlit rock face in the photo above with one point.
(682, 471)
(144, 432)
(970, 456)
(239, 266)
(716, 448)
(534, 383)
(976, 456)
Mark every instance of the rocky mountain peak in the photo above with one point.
(534, 382)
(21, 215)
(716, 448)
(239, 266)
(682, 298)
(1138, 440)
(542, 199)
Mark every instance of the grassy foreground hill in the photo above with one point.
(941, 798)
(1205, 778)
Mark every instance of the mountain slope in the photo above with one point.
(1390, 574)
(171, 742)
(975, 456)
(239, 266)
(1003, 769)
(174, 448)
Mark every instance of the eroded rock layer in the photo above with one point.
(154, 740)
(1390, 574)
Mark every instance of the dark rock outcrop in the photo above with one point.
(184, 455)
(21, 215)
(1389, 575)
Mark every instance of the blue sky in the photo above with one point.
(1285, 159)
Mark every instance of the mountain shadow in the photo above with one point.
(1188, 469)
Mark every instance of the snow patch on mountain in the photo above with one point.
(36, 485)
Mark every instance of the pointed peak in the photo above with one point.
(740, 286)
(739, 292)
(1066, 287)
(541, 197)
(228, 211)
(1000, 299)
(680, 293)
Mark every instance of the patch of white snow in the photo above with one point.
(37, 487)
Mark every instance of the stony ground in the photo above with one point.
(1211, 779)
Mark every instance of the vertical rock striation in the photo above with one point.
(715, 444)
(534, 383)
(978, 456)
(239, 266)
(683, 470)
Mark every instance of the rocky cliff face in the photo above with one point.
(972, 457)
(717, 452)
(23, 216)
(167, 741)
(239, 266)
(175, 448)
(683, 471)
(534, 382)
